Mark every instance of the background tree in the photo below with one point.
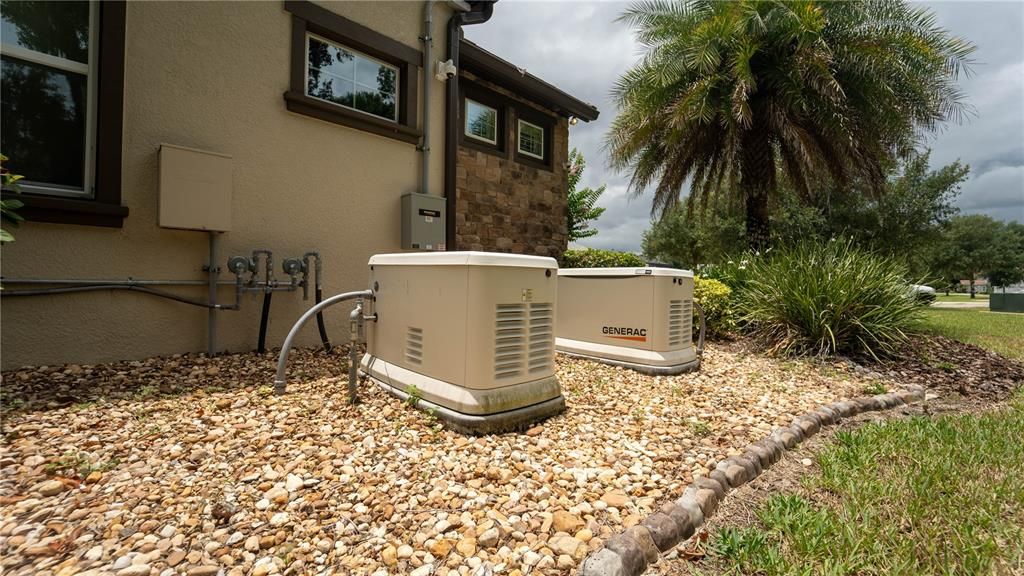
(1009, 265)
(581, 209)
(970, 247)
(730, 92)
(904, 222)
(685, 239)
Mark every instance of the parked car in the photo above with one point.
(923, 293)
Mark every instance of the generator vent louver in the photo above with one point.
(542, 338)
(510, 327)
(414, 345)
(680, 319)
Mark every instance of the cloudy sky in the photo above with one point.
(579, 47)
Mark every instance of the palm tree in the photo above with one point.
(729, 94)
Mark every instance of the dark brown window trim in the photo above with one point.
(71, 211)
(489, 98)
(323, 21)
(310, 18)
(548, 123)
(105, 208)
(510, 111)
(302, 104)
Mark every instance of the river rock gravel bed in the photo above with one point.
(189, 465)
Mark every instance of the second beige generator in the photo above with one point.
(640, 318)
(467, 335)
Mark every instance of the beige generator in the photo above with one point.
(640, 318)
(469, 336)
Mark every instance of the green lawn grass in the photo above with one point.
(955, 297)
(997, 331)
(923, 495)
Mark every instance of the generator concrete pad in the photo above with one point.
(644, 361)
(469, 410)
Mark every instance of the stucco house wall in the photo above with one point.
(209, 75)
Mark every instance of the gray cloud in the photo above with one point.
(579, 47)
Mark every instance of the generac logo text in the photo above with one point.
(625, 333)
(620, 331)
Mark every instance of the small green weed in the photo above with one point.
(414, 395)
(147, 391)
(874, 388)
(74, 464)
(698, 428)
(9, 405)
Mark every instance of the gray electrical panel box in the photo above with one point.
(423, 222)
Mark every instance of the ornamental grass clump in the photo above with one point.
(825, 299)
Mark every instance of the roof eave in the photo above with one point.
(490, 67)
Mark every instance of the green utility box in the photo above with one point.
(1006, 302)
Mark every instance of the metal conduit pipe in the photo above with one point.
(211, 321)
(132, 287)
(125, 282)
(428, 83)
(703, 326)
(282, 361)
(355, 322)
(257, 287)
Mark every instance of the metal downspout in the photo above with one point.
(479, 13)
(428, 81)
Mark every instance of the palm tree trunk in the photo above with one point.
(758, 227)
(757, 182)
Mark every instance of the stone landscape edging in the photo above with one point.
(632, 551)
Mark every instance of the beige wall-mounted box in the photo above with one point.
(195, 189)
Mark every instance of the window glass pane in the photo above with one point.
(332, 88)
(375, 102)
(43, 122)
(55, 28)
(531, 140)
(352, 80)
(375, 74)
(481, 121)
(331, 59)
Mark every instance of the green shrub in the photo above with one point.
(594, 258)
(733, 272)
(825, 299)
(715, 298)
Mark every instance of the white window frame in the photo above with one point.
(519, 139)
(465, 124)
(90, 71)
(398, 77)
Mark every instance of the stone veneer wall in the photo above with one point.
(503, 205)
